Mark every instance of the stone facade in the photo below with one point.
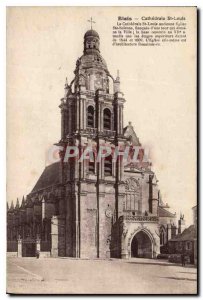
(93, 209)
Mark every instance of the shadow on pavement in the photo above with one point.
(178, 278)
(160, 264)
(154, 264)
(188, 273)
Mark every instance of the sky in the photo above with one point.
(159, 85)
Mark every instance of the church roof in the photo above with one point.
(49, 177)
(91, 32)
(165, 213)
(131, 135)
(188, 234)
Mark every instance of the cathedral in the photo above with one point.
(90, 208)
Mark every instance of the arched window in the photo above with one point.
(162, 237)
(108, 166)
(90, 116)
(132, 195)
(107, 119)
(92, 165)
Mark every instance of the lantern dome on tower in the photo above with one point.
(91, 42)
(91, 33)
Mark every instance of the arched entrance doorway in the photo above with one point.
(141, 245)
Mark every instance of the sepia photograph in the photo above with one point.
(101, 150)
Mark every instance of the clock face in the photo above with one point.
(108, 213)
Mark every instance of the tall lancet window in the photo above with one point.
(162, 237)
(92, 164)
(107, 119)
(90, 116)
(132, 195)
(108, 166)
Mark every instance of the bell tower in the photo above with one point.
(91, 117)
(91, 42)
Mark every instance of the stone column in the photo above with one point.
(92, 82)
(118, 104)
(77, 115)
(54, 236)
(124, 243)
(157, 248)
(195, 252)
(169, 231)
(101, 117)
(77, 221)
(19, 247)
(117, 118)
(62, 123)
(43, 209)
(84, 113)
(98, 117)
(81, 113)
(122, 119)
(38, 246)
(99, 97)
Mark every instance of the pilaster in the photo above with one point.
(54, 236)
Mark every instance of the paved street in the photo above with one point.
(66, 275)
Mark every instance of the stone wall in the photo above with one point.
(106, 214)
(12, 254)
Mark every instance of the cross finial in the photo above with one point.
(91, 21)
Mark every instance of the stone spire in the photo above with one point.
(117, 83)
(118, 76)
(12, 206)
(23, 202)
(17, 204)
(66, 88)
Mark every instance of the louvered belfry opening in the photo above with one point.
(90, 116)
(107, 119)
(92, 165)
(108, 166)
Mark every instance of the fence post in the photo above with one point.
(19, 247)
(38, 246)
